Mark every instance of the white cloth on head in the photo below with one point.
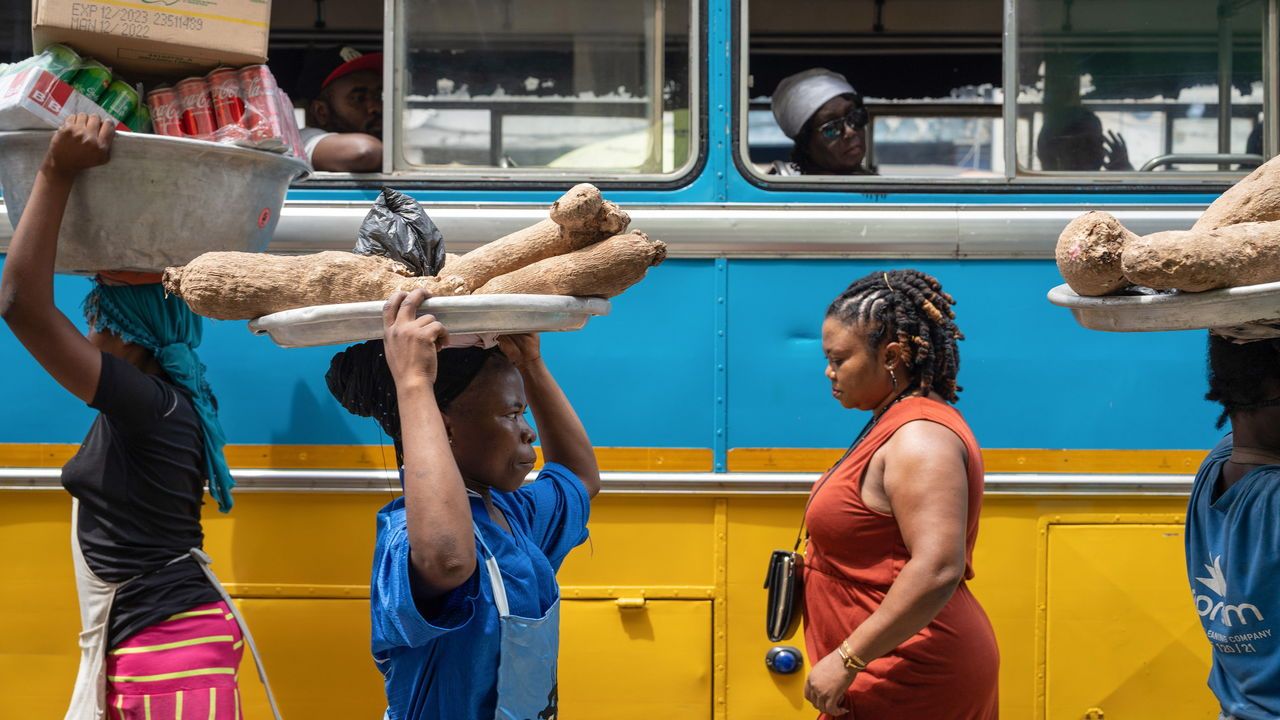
(799, 96)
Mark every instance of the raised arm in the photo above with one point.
(442, 547)
(564, 439)
(927, 485)
(26, 286)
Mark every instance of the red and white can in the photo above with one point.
(227, 97)
(196, 108)
(260, 88)
(166, 114)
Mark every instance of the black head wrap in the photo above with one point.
(362, 383)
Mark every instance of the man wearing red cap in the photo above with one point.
(344, 122)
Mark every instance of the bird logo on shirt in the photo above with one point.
(1217, 581)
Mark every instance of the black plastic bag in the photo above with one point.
(397, 228)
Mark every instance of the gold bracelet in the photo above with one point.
(851, 661)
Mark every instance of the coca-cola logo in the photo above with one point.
(196, 102)
(254, 88)
(225, 88)
(164, 112)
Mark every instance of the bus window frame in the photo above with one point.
(1015, 178)
(482, 178)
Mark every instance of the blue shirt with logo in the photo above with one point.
(1233, 566)
(442, 661)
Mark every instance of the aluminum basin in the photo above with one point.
(161, 201)
(465, 317)
(1248, 312)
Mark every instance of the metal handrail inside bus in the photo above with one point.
(1219, 159)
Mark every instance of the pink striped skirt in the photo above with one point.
(182, 668)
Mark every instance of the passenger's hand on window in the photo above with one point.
(520, 349)
(1117, 152)
(826, 685)
(83, 141)
(411, 342)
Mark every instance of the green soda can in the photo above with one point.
(92, 80)
(59, 60)
(120, 100)
(140, 120)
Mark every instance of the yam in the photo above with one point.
(1198, 260)
(578, 208)
(242, 286)
(583, 208)
(604, 269)
(1256, 198)
(579, 218)
(612, 220)
(513, 251)
(1088, 253)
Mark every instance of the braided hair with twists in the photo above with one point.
(910, 307)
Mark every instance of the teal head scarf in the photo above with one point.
(144, 315)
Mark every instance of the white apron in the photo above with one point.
(89, 698)
(530, 649)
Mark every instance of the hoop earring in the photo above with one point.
(894, 377)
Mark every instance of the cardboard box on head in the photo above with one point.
(167, 39)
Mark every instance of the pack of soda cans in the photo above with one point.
(241, 106)
(59, 82)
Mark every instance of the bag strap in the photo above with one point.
(801, 533)
(204, 561)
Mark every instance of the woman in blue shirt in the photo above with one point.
(1233, 531)
(464, 600)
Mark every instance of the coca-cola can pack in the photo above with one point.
(260, 89)
(227, 97)
(166, 114)
(196, 108)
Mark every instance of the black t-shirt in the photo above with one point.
(139, 477)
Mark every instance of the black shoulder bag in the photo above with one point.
(785, 579)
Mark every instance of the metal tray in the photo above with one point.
(1251, 311)
(465, 317)
(161, 201)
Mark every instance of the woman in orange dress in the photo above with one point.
(891, 628)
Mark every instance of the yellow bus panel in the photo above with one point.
(1122, 637)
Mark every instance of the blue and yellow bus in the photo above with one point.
(703, 390)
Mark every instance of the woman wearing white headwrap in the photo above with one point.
(824, 115)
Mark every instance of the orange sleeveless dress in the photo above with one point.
(948, 670)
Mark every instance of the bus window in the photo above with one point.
(586, 86)
(308, 41)
(1156, 86)
(927, 73)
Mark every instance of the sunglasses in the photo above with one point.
(833, 129)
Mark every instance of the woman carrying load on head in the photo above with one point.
(1233, 530)
(464, 599)
(158, 635)
(891, 628)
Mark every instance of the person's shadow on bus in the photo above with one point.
(1074, 140)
